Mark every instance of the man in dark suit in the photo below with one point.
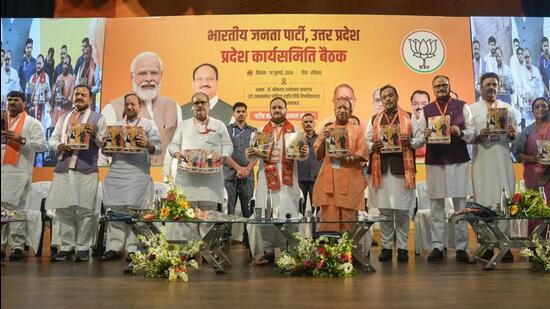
(205, 79)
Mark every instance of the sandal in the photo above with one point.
(265, 259)
(110, 255)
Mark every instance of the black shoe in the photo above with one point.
(402, 255)
(111, 255)
(488, 254)
(53, 250)
(82, 256)
(62, 256)
(435, 255)
(129, 256)
(508, 257)
(385, 255)
(17, 255)
(462, 256)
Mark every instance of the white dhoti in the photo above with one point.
(394, 201)
(73, 195)
(451, 180)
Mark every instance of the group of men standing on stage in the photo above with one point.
(337, 189)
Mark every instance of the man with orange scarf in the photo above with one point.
(340, 187)
(276, 175)
(22, 137)
(392, 174)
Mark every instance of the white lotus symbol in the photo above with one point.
(423, 49)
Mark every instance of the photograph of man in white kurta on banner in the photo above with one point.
(516, 49)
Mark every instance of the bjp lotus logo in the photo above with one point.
(423, 51)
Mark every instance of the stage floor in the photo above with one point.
(38, 283)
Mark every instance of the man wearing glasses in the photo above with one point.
(447, 170)
(204, 191)
(205, 80)
(10, 78)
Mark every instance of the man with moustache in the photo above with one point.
(40, 92)
(27, 66)
(63, 89)
(506, 85)
(392, 175)
(492, 167)
(204, 191)
(24, 137)
(479, 64)
(128, 183)
(277, 176)
(308, 169)
(80, 60)
(377, 101)
(146, 73)
(74, 185)
(419, 99)
(205, 80)
(86, 73)
(489, 59)
(59, 67)
(10, 78)
(238, 170)
(447, 168)
(340, 187)
(532, 79)
(544, 65)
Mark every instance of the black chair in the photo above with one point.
(99, 248)
(45, 220)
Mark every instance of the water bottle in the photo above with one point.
(504, 202)
(268, 206)
(157, 203)
(541, 190)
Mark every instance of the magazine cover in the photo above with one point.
(543, 148)
(438, 126)
(201, 161)
(293, 143)
(497, 120)
(113, 140)
(389, 136)
(78, 138)
(337, 143)
(262, 142)
(130, 143)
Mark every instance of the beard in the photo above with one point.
(146, 94)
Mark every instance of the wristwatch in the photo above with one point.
(22, 141)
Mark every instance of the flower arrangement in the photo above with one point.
(528, 204)
(174, 207)
(165, 260)
(319, 258)
(540, 255)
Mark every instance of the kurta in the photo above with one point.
(128, 182)
(342, 184)
(492, 166)
(392, 193)
(287, 199)
(201, 187)
(74, 188)
(450, 180)
(17, 179)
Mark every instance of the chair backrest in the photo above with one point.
(39, 191)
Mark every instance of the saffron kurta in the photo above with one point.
(340, 186)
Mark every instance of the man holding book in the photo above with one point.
(392, 171)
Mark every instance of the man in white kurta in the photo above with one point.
(283, 183)
(128, 183)
(492, 167)
(447, 166)
(392, 194)
(205, 191)
(24, 137)
(75, 180)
